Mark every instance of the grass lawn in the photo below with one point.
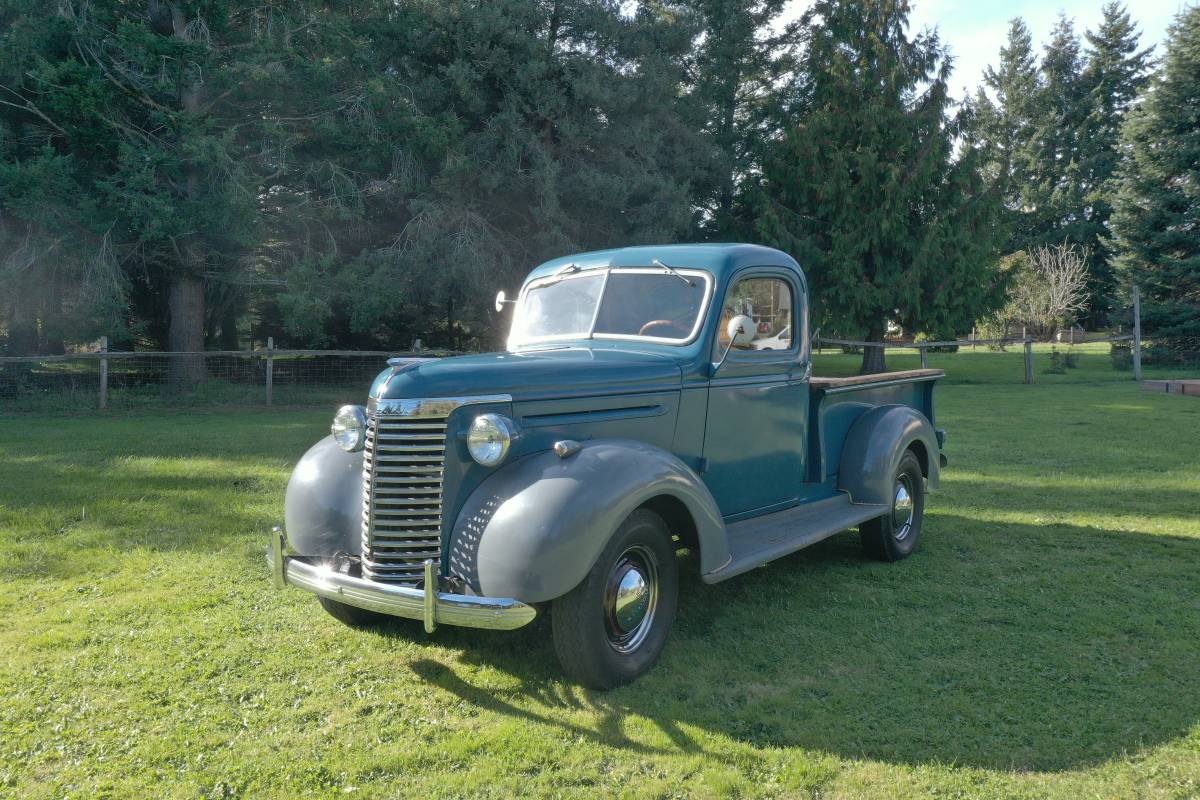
(1043, 641)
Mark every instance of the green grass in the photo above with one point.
(1043, 640)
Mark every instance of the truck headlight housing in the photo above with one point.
(489, 437)
(349, 428)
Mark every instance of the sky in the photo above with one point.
(975, 31)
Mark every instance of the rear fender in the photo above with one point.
(533, 530)
(874, 446)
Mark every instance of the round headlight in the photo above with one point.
(489, 438)
(349, 428)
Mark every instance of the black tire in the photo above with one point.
(894, 535)
(592, 645)
(353, 616)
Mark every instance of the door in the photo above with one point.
(755, 438)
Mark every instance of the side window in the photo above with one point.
(767, 301)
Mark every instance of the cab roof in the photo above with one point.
(719, 259)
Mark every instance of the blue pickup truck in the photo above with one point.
(650, 400)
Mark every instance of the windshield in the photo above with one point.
(615, 304)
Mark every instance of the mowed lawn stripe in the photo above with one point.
(1042, 641)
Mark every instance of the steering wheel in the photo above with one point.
(671, 329)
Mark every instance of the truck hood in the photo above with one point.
(535, 374)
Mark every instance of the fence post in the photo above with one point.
(1028, 360)
(1137, 334)
(924, 360)
(270, 367)
(104, 373)
(972, 337)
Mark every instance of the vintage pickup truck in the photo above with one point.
(632, 416)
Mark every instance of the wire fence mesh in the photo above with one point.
(1095, 359)
(119, 380)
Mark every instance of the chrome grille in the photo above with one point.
(402, 497)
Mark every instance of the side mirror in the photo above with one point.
(740, 330)
(502, 301)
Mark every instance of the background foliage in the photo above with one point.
(203, 174)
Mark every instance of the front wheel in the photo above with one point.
(613, 626)
(894, 535)
(353, 616)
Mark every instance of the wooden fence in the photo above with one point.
(1027, 342)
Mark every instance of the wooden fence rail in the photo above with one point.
(271, 356)
(923, 347)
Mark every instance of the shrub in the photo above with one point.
(1122, 356)
(1057, 363)
(945, 348)
(993, 327)
(1180, 352)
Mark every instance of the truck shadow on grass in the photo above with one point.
(1000, 646)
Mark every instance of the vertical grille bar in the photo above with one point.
(402, 497)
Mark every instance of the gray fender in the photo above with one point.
(873, 448)
(533, 530)
(323, 509)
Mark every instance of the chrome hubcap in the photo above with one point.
(630, 599)
(902, 508)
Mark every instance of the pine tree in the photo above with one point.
(735, 64)
(865, 188)
(145, 110)
(1157, 216)
(1060, 110)
(1004, 128)
(1116, 72)
(488, 136)
(1050, 137)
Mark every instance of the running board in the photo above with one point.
(758, 541)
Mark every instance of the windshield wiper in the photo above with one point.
(568, 269)
(673, 271)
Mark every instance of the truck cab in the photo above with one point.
(649, 400)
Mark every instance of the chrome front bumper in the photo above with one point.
(428, 604)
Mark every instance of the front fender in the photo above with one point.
(533, 529)
(323, 507)
(873, 448)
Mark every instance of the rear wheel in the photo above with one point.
(894, 535)
(613, 626)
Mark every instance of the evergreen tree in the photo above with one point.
(143, 111)
(735, 66)
(1157, 216)
(1116, 72)
(1051, 137)
(1004, 129)
(1055, 194)
(865, 188)
(488, 136)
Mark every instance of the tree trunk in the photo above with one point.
(186, 294)
(52, 318)
(186, 333)
(873, 357)
(22, 325)
(229, 329)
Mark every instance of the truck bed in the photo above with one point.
(880, 377)
(837, 402)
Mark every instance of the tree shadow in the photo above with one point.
(996, 646)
